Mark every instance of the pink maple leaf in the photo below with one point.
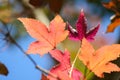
(64, 65)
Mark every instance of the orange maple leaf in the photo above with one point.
(47, 38)
(114, 24)
(99, 61)
(113, 5)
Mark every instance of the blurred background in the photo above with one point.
(18, 65)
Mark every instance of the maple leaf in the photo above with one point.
(81, 29)
(76, 75)
(64, 65)
(62, 58)
(113, 5)
(47, 38)
(99, 61)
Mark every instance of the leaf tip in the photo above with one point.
(82, 12)
(58, 18)
(20, 19)
(23, 20)
(110, 28)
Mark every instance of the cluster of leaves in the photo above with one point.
(47, 39)
(97, 61)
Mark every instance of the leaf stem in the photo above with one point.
(31, 59)
(70, 73)
(87, 75)
(85, 71)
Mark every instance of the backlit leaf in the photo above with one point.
(81, 29)
(98, 61)
(64, 65)
(47, 38)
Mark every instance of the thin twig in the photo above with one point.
(70, 73)
(88, 74)
(32, 60)
(46, 71)
(85, 71)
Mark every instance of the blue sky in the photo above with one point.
(19, 66)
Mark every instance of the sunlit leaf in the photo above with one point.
(99, 61)
(81, 29)
(47, 38)
(64, 65)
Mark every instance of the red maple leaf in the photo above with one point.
(81, 29)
